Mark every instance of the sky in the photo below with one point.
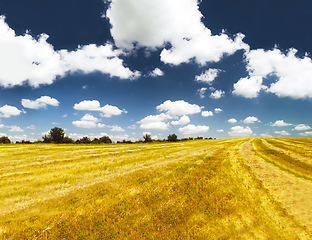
(126, 68)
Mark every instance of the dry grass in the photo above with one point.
(187, 190)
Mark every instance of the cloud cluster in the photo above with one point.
(41, 102)
(94, 105)
(38, 63)
(155, 23)
(170, 110)
(289, 75)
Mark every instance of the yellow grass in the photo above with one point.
(204, 189)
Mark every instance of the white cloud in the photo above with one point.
(153, 23)
(155, 122)
(208, 76)
(201, 92)
(7, 111)
(87, 121)
(182, 121)
(302, 127)
(232, 120)
(218, 110)
(94, 105)
(117, 129)
(31, 127)
(250, 120)
(38, 63)
(88, 105)
(240, 131)
(192, 129)
(220, 130)
(89, 117)
(217, 94)
(109, 111)
(280, 123)
(157, 73)
(178, 108)
(265, 135)
(15, 129)
(41, 102)
(283, 133)
(92, 58)
(306, 134)
(207, 114)
(248, 87)
(293, 73)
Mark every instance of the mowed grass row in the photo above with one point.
(187, 190)
(287, 158)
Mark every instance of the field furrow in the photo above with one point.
(201, 189)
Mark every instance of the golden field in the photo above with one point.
(201, 189)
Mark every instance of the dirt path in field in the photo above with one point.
(293, 193)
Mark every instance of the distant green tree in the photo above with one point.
(172, 138)
(57, 135)
(84, 140)
(5, 140)
(68, 140)
(147, 138)
(105, 139)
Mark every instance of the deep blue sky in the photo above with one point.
(275, 26)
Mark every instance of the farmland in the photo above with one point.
(201, 189)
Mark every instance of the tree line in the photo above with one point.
(57, 135)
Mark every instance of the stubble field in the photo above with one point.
(201, 189)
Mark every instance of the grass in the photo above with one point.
(199, 189)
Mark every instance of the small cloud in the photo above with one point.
(220, 130)
(64, 116)
(265, 135)
(306, 134)
(208, 76)
(94, 105)
(182, 121)
(201, 92)
(15, 129)
(156, 73)
(87, 121)
(232, 120)
(178, 108)
(217, 94)
(7, 111)
(41, 102)
(280, 123)
(31, 127)
(218, 110)
(250, 120)
(117, 129)
(302, 127)
(192, 129)
(283, 133)
(207, 113)
(240, 131)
